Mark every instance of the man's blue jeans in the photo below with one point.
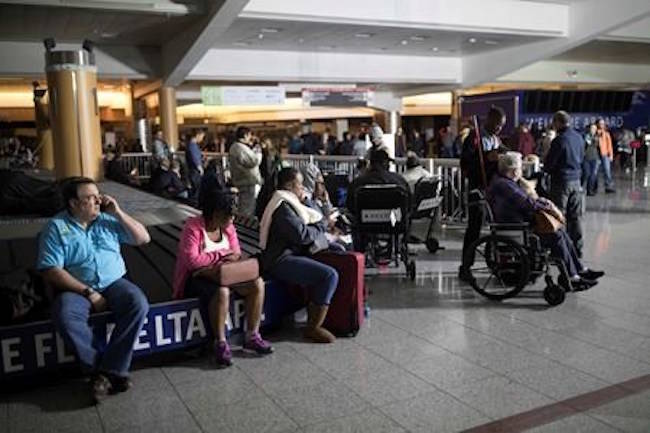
(606, 164)
(70, 313)
(591, 174)
(319, 279)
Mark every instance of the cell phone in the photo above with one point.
(102, 204)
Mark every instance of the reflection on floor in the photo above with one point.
(433, 357)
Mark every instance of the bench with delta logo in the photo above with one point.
(33, 348)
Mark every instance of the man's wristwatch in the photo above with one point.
(88, 292)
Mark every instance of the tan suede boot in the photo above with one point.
(314, 330)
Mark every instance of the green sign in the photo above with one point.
(242, 95)
(211, 95)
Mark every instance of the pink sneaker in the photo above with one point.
(258, 345)
(222, 354)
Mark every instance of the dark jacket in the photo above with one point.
(470, 162)
(166, 183)
(564, 159)
(289, 235)
(193, 156)
(509, 202)
(374, 176)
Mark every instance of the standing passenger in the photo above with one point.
(245, 169)
(471, 167)
(564, 164)
(194, 160)
(606, 154)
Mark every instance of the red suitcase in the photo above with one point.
(346, 312)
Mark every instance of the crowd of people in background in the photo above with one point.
(17, 152)
(297, 219)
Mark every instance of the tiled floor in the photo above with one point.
(433, 357)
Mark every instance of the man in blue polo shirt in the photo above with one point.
(79, 255)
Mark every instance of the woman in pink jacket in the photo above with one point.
(207, 241)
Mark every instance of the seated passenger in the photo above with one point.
(414, 171)
(290, 233)
(166, 181)
(315, 192)
(317, 197)
(79, 255)
(511, 204)
(376, 174)
(208, 241)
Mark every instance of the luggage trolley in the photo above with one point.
(385, 210)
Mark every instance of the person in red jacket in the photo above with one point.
(523, 141)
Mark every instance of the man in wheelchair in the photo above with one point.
(511, 204)
(377, 174)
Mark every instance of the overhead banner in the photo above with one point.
(242, 95)
(331, 97)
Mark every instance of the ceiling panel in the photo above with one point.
(35, 23)
(248, 33)
(609, 52)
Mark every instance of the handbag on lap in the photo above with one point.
(546, 223)
(230, 273)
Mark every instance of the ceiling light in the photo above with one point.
(472, 40)
(270, 30)
(491, 42)
(105, 35)
(435, 49)
(301, 40)
(260, 36)
(404, 42)
(418, 38)
(363, 35)
(241, 44)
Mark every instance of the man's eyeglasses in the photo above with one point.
(91, 198)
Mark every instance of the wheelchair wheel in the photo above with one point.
(554, 294)
(500, 267)
(432, 245)
(410, 269)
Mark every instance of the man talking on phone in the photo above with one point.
(79, 256)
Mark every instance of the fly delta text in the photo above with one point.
(32, 347)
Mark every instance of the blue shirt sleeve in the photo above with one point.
(195, 153)
(50, 248)
(114, 226)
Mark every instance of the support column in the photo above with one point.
(168, 121)
(74, 113)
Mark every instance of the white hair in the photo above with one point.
(509, 161)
